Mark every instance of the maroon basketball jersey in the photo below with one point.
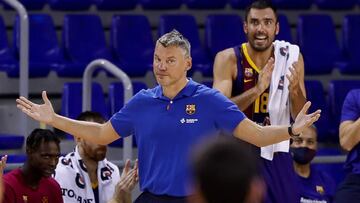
(249, 73)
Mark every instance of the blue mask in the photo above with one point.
(302, 155)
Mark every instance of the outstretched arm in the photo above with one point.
(262, 136)
(129, 178)
(93, 132)
(225, 71)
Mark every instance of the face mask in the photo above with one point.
(302, 155)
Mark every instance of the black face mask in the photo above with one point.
(302, 155)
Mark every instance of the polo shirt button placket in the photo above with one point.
(168, 106)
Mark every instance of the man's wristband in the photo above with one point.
(290, 131)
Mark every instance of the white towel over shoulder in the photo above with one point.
(72, 176)
(278, 107)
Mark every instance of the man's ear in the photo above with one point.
(277, 29)
(189, 64)
(245, 27)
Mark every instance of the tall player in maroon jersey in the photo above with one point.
(243, 73)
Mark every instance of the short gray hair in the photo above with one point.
(175, 38)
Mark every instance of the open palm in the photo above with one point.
(40, 112)
(304, 120)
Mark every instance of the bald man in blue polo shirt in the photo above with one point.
(168, 120)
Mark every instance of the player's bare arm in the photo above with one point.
(94, 132)
(349, 134)
(261, 136)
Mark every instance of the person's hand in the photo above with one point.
(40, 112)
(2, 167)
(129, 178)
(294, 78)
(2, 164)
(304, 120)
(265, 75)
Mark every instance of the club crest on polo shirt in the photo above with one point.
(320, 189)
(190, 109)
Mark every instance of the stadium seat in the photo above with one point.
(83, 40)
(160, 4)
(335, 170)
(44, 50)
(9, 141)
(205, 4)
(292, 4)
(70, 5)
(15, 158)
(320, 51)
(315, 93)
(338, 90)
(223, 31)
(28, 4)
(186, 24)
(132, 44)
(18, 159)
(71, 103)
(7, 59)
(116, 94)
(240, 4)
(116, 100)
(335, 4)
(285, 30)
(350, 45)
(111, 5)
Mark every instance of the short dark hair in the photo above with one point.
(91, 116)
(260, 4)
(224, 168)
(38, 136)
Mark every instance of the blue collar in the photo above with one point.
(187, 91)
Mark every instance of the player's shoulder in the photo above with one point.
(144, 95)
(11, 178)
(51, 182)
(212, 94)
(353, 94)
(226, 55)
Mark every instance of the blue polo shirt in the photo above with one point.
(351, 112)
(166, 129)
(318, 187)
